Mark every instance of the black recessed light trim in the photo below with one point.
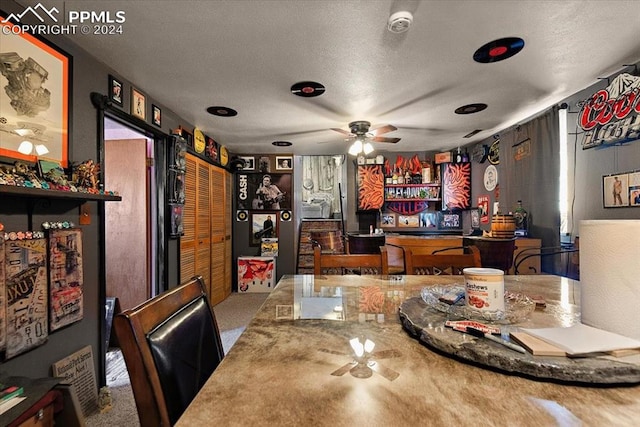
(307, 89)
(222, 111)
(470, 108)
(498, 50)
(282, 143)
(473, 132)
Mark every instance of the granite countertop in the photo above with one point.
(289, 370)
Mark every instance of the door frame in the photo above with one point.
(105, 108)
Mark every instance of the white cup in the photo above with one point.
(484, 288)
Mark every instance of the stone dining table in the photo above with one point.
(294, 365)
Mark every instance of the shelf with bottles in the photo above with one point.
(412, 192)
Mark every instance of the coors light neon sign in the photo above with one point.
(612, 115)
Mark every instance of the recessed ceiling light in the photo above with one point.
(307, 89)
(470, 108)
(281, 143)
(498, 50)
(222, 111)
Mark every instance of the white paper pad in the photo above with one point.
(582, 339)
(5, 406)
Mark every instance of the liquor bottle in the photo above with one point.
(521, 217)
(394, 177)
(400, 176)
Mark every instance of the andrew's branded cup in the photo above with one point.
(484, 288)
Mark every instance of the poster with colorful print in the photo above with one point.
(256, 274)
(26, 291)
(3, 301)
(483, 209)
(66, 277)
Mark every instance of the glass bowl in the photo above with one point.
(517, 306)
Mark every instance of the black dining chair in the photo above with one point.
(171, 345)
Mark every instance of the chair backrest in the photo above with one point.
(440, 262)
(496, 253)
(349, 263)
(171, 345)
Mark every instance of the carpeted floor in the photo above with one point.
(232, 314)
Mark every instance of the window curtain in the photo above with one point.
(529, 170)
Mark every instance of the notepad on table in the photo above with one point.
(579, 339)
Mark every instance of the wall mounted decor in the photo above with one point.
(34, 96)
(138, 104)
(263, 226)
(66, 278)
(621, 190)
(249, 163)
(115, 90)
(284, 163)
(156, 115)
(456, 186)
(175, 184)
(256, 191)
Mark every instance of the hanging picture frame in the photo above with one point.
(46, 103)
(138, 104)
(156, 115)
(264, 225)
(115, 90)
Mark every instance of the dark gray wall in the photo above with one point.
(89, 75)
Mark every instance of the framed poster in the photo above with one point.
(615, 190)
(428, 219)
(256, 274)
(370, 187)
(263, 225)
(26, 290)
(255, 191)
(115, 90)
(177, 228)
(449, 221)
(483, 209)
(388, 220)
(211, 150)
(249, 163)
(156, 115)
(284, 163)
(634, 188)
(456, 186)
(66, 280)
(35, 77)
(138, 104)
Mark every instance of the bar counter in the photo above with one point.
(293, 365)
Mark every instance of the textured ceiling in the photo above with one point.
(245, 55)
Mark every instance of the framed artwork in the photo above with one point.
(456, 186)
(428, 219)
(370, 187)
(115, 90)
(211, 150)
(408, 221)
(156, 115)
(66, 279)
(263, 225)
(257, 191)
(284, 163)
(138, 104)
(388, 220)
(249, 163)
(615, 190)
(40, 111)
(177, 228)
(264, 164)
(449, 221)
(634, 188)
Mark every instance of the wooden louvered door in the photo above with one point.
(218, 222)
(205, 248)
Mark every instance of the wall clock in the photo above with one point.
(199, 142)
(490, 178)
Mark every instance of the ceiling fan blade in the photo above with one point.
(382, 129)
(385, 354)
(383, 139)
(345, 132)
(343, 369)
(388, 373)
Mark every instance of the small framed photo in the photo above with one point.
(615, 190)
(138, 104)
(249, 163)
(156, 115)
(388, 220)
(634, 188)
(263, 225)
(284, 163)
(408, 220)
(428, 219)
(115, 90)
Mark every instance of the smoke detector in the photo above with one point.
(399, 22)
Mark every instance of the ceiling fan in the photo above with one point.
(360, 130)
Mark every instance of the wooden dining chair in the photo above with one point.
(349, 263)
(440, 262)
(171, 345)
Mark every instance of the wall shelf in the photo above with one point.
(27, 192)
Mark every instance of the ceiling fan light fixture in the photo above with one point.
(367, 148)
(399, 22)
(356, 147)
